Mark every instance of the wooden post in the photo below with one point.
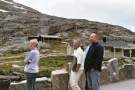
(122, 53)
(114, 52)
(130, 53)
(104, 52)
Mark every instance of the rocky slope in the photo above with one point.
(17, 22)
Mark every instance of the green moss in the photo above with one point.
(54, 61)
(58, 47)
(47, 65)
(6, 69)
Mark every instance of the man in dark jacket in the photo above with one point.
(93, 63)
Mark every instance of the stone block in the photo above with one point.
(113, 70)
(105, 79)
(60, 80)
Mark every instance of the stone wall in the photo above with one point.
(60, 78)
(127, 72)
(42, 84)
(4, 84)
(110, 74)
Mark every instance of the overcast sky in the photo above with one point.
(117, 12)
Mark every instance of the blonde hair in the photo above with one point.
(34, 41)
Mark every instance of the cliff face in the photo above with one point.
(18, 21)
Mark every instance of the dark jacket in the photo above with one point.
(94, 57)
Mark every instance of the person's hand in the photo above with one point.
(28, 62)
(78, 67)
(74, 70)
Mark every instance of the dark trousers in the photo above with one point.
(31, 81)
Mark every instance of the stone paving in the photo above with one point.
(124, 85)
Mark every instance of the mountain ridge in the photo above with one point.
(17, 20)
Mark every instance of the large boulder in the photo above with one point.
(60, 79)
(113, 69)
(105, 79)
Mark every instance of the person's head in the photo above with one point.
(33, 43)
(76, 43)
(93, 38)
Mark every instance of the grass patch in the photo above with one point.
(47, 65)
(58, 47)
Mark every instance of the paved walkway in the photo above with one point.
(125, 85)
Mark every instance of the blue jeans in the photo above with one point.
(31, 81)
(92, 80)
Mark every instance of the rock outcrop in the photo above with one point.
(17, 22)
